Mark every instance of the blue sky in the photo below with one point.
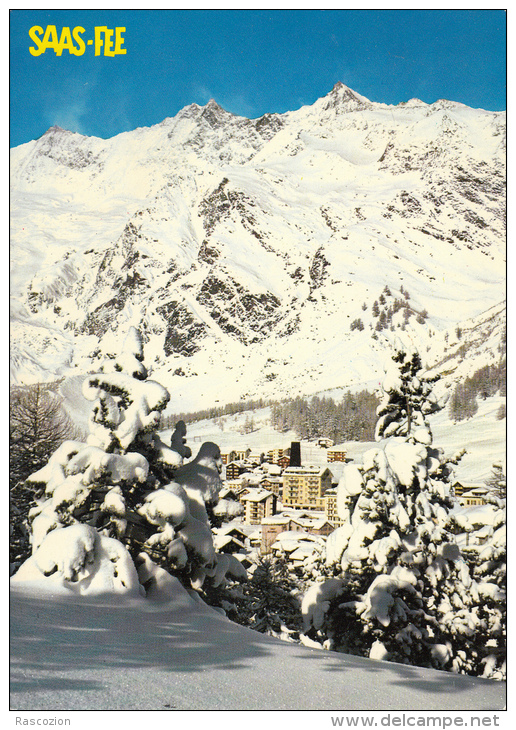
(250, 61)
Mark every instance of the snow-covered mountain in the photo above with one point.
(250, 253)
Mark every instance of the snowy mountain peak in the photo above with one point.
(214, 114)
(239, 247)
(55, 129)
(55, 134)
(212, 104)
(341, 95)
(412, 103)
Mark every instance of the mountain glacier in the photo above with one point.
(251, 252)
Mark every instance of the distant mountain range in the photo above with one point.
(251, 253)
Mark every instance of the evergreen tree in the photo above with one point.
(486, 555)
(463, 402)
(401, 589)
(37, 426)
(268, 603)
(483, 383)
(122, 510)
(501, 412)
(497, 482)
(408, 397)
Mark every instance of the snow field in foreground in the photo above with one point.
(121, 653)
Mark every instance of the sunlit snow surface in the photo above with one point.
(342, 198)
(111, 653)
(483, 436)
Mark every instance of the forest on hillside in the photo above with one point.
(483, 383)
(351, 419)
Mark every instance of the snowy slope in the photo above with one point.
(484, 435)
(244, 249)
(135, 654)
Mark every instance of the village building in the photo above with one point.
(319, 527)
(258, 504)
(459, 487)
(273, 484)
(244, 560)
(336, 453)
(234, 469)
(306, 523)
(304, 487)
(231, 489)
(273, 455)
(330, 508)
(274, 526)
(228, 544)
(255, 538)
(234, 455)
(272, 470)
(324, 442)
(298, 547)
(473, 496)
(234, 531)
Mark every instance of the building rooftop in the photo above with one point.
(317, 470)
(256, 495)
(220, 541)
(278, 520)
(478, 492)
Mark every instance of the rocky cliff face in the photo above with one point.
(245, 250)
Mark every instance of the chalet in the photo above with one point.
(274, 526)
(287, 523)
(255, 538)
(284, 462)
(230, 492)
(336, 453)
(272, 484)
(228, 544)
(298, 547)
(233, 531)
(459, 488)
(320, 527)
(272, 470)
(234, 469)
(474, 497)
(243, 560)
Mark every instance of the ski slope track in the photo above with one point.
(245, 249)
(116, 653)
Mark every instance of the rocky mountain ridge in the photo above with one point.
(245, 249)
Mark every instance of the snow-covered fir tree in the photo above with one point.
(400, 588)
(269, 602)
(122, 511)
(497, 482)
(485, 551)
